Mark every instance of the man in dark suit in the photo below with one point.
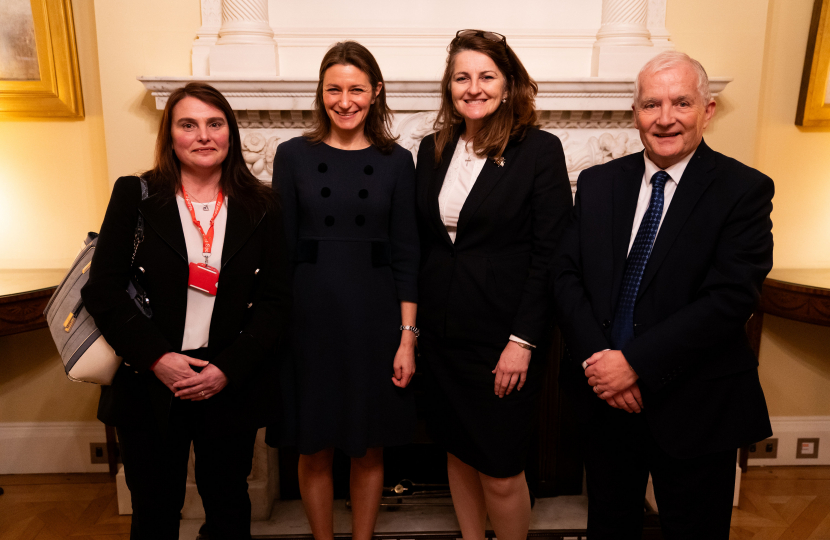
(655, 277)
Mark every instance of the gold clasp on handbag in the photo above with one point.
(67, 324)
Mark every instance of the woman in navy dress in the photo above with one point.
(348, 195)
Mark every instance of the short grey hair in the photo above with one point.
(669, 60)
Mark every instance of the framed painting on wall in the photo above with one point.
(814, 98)
(39, 73)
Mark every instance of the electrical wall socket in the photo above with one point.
(806, 449)
(766, 449)
(98, 453)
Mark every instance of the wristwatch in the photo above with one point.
(411, 329)
(527, 346)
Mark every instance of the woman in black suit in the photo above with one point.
(200, 369)
(492, 195)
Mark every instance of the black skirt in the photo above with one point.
(464, 414)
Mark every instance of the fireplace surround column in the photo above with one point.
(624, 42)
(624, 22)
(246, 46)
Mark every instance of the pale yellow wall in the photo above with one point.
(728, 39)
(795, 357)
(795, 368)
(152, 38)
(54, 173)
(761, 43)
(33, 386)
(797, 158)
(53, 176)
(56, 177)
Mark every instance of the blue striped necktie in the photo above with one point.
(635, 264)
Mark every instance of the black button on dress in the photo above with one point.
(351, 226)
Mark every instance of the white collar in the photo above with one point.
(675, 171)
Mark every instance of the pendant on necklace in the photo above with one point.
(468, 160)
(206, 208)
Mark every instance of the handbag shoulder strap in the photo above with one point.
(139, 227)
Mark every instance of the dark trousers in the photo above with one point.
(155, 466)
(694, 496)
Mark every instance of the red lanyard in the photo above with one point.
(207, 239)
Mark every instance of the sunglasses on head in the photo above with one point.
(490, 36)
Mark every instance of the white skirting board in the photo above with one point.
(49, 447)
(788, 429)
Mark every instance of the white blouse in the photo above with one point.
(463, 171)
(200, 304)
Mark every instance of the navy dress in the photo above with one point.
(352, 233)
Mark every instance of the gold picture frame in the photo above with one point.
(814, 99)
(57, 92)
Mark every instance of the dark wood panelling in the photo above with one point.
(23, 312)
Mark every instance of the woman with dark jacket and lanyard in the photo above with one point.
(200, 369)
(492, 195)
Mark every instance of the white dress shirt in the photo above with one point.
(675, 172)
(463, 171)
(200, 304)
(462, 174)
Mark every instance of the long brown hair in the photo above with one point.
(236, 181)
(510, 121)
(379, 118)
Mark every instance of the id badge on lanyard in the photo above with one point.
(204, 277)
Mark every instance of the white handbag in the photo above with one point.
(86, 355)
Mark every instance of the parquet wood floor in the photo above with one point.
(54, 506)
(777, 503)
(786, 503)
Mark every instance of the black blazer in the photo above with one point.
(249, 315)
(493, 281)
(697, 373)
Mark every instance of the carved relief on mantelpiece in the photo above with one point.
(586, 142)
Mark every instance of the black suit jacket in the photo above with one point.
(249, 315)
(697, 373)
(493, 281)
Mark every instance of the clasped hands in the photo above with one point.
(614, 380)
(174, 370)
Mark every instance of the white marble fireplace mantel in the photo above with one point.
(591, 115)
(263, 55)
